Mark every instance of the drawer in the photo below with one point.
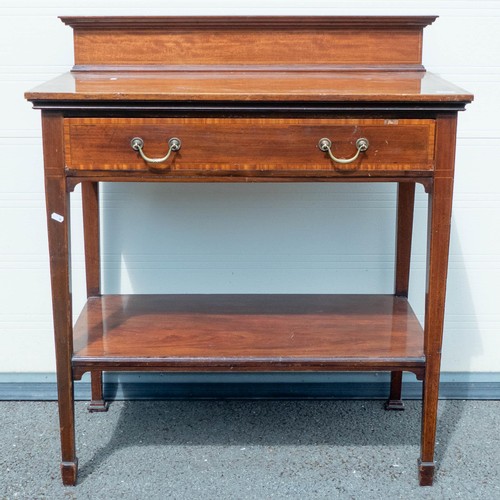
(246, 145)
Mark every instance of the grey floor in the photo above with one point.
(250, 450)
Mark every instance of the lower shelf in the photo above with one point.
(247, 333)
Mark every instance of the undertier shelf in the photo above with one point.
(247, 333)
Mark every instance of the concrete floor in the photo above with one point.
(250, 450)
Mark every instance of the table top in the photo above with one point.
(250, 84)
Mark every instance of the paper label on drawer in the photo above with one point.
(57, 217)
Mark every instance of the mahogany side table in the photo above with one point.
(248, 99)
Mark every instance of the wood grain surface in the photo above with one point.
(142, 41)
(236, 329)
(236, 144)
(249, 85)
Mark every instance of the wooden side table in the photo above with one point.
(248, 99)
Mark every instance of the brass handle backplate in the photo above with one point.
(137, 144)
(325, 145)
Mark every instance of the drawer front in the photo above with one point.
(246, 145)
